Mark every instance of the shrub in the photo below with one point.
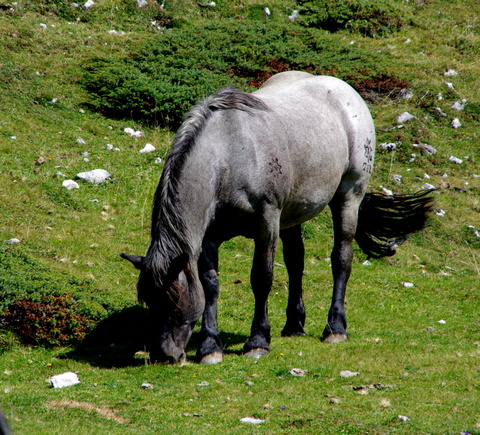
(161, 79)
(44, 306)
(370, 18)
(52, 322)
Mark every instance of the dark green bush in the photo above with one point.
(44, 306)
(367, 17)
(161, 79)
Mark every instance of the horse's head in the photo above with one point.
(174, 306)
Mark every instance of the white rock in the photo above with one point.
(297, 372)
(442, 322)
(80, 140)
(70, 184)
(267, 12)
(450, 73)
(459, 105)
(388, 146)
(293, 16)
(440, 212)
(455, 160)
(96, 176)
(348, 374)
(398, 178)
(251, 420)
(406, 94)
(367, 263)
(142, 3)
(403, 418)
(404, 117)
(428, 186)
(387, 192)
(456, 123)
(43, 26)
(132, 132)
(158, 160)
(147, 386)
(64, 380)
(108, 147)
(13, 241)
(427, 149)
(450, 86)
(440, 112)
(148, 148)
(88, 4)
(408, 284)
(440, 97)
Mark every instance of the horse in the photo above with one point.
(259, 165)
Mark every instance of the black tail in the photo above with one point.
(386, 221)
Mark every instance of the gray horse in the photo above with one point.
(259, 165)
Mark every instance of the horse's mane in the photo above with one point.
(170, 237)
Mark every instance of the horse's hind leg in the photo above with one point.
(210, 348)
(293, 254)
(344, 213)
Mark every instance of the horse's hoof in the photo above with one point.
(212, 358)
(256, 353)
(335, 338)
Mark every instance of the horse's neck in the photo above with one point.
(197, 199)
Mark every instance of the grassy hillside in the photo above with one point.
(72, 80)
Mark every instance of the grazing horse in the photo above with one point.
(259, 165)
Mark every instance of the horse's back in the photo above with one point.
(330, 138)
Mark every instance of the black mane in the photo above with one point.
(170, 237)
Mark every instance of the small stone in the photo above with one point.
(388, 146)
(147, 386)
(64, 380)
(297, 372)
(455, 160)
(456, 123)
(459, 105)
(70, 184)
(13, 241)
(252, 420)
(348, 374)
(450, 73)
(96, 176)
(148, 148)
(405, 117)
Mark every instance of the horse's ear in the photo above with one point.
(136, 260)
(178, 264)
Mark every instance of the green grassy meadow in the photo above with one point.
(68, 301)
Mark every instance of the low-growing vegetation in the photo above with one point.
(72, 78)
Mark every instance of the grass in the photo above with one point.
(424, 370)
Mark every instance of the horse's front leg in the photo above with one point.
(293, 254)
(344, 214)
(210, 348)
(261, 280)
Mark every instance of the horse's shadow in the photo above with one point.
(115, 340)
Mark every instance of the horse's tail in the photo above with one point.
(386, 221)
